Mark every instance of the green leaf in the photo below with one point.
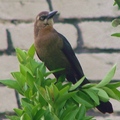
(42, 68)
(56, 91)
(24, 69)
(19, 78)
(114, 3)
(64, 90)
(27, 103)
(25, 117)
(107, 78)
(50, 94)
(115, 22)
(21, 55)
(59, 97)
(31, 51)
(28, 93)
(35, 108)
(54, 116)
(64, 97)
(9, 83)
(88, 85)
(42, 92)
(66, 111)
(61, 79)
(111, 93)
(39, 97)
(81, 113)
(48, 115)
(39, 114)
(83, 99)
(68, 115)
(54, 71)
(117, 92)
(48, 82)
(76, 85)
(12, 84)
(13, 117)
(118, 3)
(39, 77)
(27, 109)
(113, 85)
(102, 94)
(116, 34)
(93, 95)
(33, 66)
(19, 112)
(30, 80)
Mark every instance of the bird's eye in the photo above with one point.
(42, 18)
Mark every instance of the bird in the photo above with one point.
(55, 51)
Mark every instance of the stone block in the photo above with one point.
(22, 35)
(22, 10)
(8, 64)
(7, 100)
(96, 66)
(85, 8)
(98, 34)
(68, 31)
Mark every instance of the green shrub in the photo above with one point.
(45, 98)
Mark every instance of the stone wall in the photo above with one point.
(85, 23)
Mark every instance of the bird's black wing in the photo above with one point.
(104, 107)
(69, 53)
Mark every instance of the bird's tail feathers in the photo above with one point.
(105, 107)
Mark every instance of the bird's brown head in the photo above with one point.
(44, 19)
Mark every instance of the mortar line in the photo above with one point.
(10, 47)
(17, 99)
(64, 20)
(80, 41)
(50, 5)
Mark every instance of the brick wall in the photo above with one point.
(85, 23)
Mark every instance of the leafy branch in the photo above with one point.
(45, 98)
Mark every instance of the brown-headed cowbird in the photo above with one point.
(56, 52)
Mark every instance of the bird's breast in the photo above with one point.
(49, 50)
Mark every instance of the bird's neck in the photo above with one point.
(43, 30)
(46, 29)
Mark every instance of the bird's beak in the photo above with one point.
(51, 14)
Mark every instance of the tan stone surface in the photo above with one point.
(95, 34)
(111, 117)
(8, 64)
(96, 66)
(7, 99)
(85, 8)
(23, 10)
(98, 34)
(22, 35)
(68, 31)
(3, 38)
